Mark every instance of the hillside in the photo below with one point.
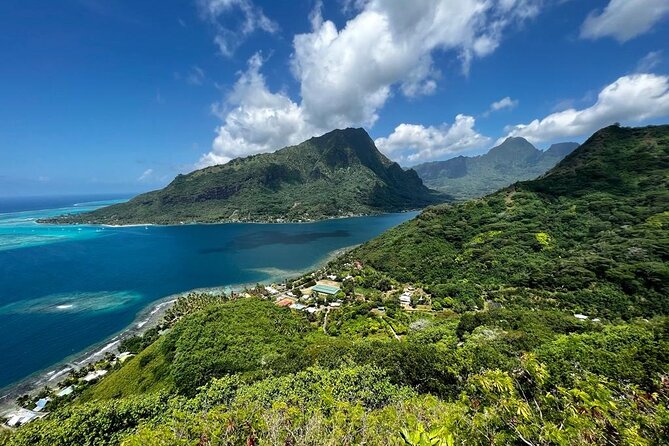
(591, 235)
(514, 160)
(490, 350)
(338, 174)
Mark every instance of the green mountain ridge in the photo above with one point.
(470, 177)
(491, 349)
(590, 235)
(337, 174)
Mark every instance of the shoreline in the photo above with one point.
(51, 222)
(149, 317)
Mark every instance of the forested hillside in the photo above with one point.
(337, 174)
(489, 349)
(592, 235)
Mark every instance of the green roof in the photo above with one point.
(325, 289)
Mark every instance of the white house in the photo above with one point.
(405, 298)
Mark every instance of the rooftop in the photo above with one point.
(325, 289)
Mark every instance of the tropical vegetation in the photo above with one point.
(538, 315)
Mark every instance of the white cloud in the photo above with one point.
(195, 76)
(504, 103)
(347, 75)
(624, 19)
(630, 99)
(255, 119)
(649, 61)
(414, 142)
(228, 39)
(148, 173)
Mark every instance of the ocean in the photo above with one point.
(65, 289)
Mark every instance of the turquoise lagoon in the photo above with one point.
(65, 289)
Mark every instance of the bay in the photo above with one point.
(64, 289)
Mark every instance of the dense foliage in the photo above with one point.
(514, 160)
(503, 361)
(384, 392)
(340, 173)
(590, 236)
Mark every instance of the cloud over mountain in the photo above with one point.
(413, 142)
(346, 75)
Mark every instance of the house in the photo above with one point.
(335, 304)
(92, 376)
(271, 290)
(64, 392)
(23, 416)
(327, 290)
(581, 317)
(41, 404)
(405, 298)
(287, 302)
(311, 310)
(297, 306)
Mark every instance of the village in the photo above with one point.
(331, 297)
(315, 294)
(36, 405)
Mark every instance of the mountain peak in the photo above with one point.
(340, 173)
(512, 150)
(348, 137)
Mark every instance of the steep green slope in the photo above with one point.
(592, 235)
(513, 160)
(338, 174)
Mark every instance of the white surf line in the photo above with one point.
(98, 353)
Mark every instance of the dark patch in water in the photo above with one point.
(265, 238)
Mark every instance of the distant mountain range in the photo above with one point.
(338, 174)
(516, 159)
(589, 235)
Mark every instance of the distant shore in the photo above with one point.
(62, 220)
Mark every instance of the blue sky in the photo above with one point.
(120, 96)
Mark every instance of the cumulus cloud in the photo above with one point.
(630, 99)
(413, 142)
(229, 38)
(255, 119)
(504, 103)
(347, 75)
(624, 19)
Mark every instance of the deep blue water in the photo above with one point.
(65, 288)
